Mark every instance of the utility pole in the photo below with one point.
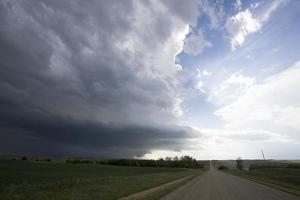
(263, 155)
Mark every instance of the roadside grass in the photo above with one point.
(281, 178)
(48, 181)
(162, 190)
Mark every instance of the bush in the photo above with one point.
(222, 167)
(24, 158)
(293, 166)
(239, 163)
(78, 161)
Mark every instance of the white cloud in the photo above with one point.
(275, 103)
(230, 89)
(240, 26)
(196, 43)
(239, 79)
(238, 5)
(200, 86)
(248, 134)
(244, 23)
(247, 143)
(274, 5)
(215, 12)
(275, 50)
(255, 5)
(206, 73)
(202, 73)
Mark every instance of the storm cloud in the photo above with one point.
(92, 78)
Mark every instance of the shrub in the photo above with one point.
(222, 167)
(78, 161)
(24, 158)
(293, 166)
(239, 163)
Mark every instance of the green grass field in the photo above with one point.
(286, 179)
(30, 180)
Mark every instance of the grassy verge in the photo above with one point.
(32, 181)
(287, 180)
(162, 190)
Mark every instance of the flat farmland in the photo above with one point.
(29, 180)
(282, 178)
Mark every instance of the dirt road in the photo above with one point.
(216, 185)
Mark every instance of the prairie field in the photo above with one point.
(57, 180)
(282, 174)
(287, 179)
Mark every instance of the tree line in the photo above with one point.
(179, 162)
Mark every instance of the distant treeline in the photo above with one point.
(275, 165)
(255, 164)
(24, 158)
(180, 162)
(82, 161)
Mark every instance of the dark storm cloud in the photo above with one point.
(87, 78)
(89, 138)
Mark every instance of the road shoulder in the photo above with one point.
(266, 183)
(161, 190)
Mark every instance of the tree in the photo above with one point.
(175, 158)
(239, 163)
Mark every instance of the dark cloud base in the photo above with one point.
(56, 136)
(68, 87)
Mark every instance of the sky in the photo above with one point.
(148, 79)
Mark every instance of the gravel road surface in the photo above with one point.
(216, 185)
